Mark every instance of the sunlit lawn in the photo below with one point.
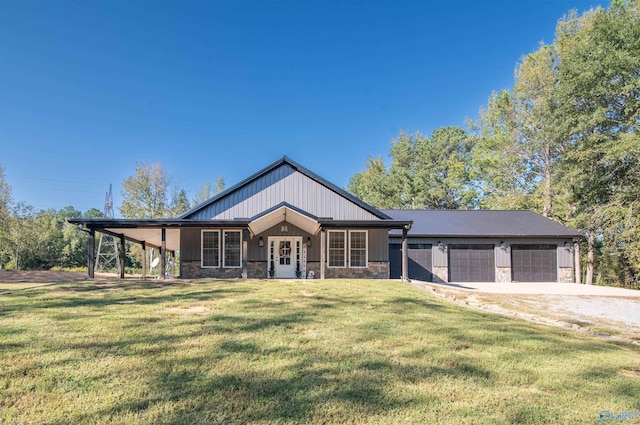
(351, 351)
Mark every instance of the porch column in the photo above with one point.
(91, 255)
(576, 259)
(405, 262)
(323, 245)
(245, 252)
(163, 253)
(143, 245)
(123, 256)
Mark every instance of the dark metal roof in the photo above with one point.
(480, 223)
(282, 161)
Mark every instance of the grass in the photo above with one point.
(289, 352)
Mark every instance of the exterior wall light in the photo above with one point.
(260, 241)
(309, 241)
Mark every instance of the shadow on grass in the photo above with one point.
(248, 361)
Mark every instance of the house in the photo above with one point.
(285, 222)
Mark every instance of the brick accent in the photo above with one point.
(503, 274)
(440, 274)
(565, 275)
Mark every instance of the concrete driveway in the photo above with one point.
(600, 310)
(542, 288)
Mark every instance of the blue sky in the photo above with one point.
(209, 88)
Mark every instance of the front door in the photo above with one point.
(285, 255)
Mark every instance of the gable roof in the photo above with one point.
(257, 182)
(480, 223)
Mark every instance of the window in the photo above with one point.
(232, 248)
(337, 248)
(358, 248)
(210, 248)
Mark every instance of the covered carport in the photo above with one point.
(161, 234)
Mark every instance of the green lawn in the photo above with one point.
(350, 351)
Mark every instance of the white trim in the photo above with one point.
(224, 248)
(366, 249)
(202, 231)
(345, 249)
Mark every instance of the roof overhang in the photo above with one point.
(149, 231)
(284, 213)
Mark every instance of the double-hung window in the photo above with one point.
(210, 248)
(232, 248)
(337, 248)
(357, 248)
(347, 252)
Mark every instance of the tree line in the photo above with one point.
(563, 141)
(32, 239)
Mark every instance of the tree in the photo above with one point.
(522, 125)
(424, 173)
(220, 185)
(373, 185)
(599, 96)
(5, 206)
(145, 194)
(179, 203)
(443, 170)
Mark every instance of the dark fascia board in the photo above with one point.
(573, 237)
(101, 223)
(297, 167)
(384, 224)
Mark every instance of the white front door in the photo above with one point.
(286, 255)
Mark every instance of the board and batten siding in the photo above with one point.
(283, 184)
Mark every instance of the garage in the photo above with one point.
(419, 256)
(534, 263)
(472, 263)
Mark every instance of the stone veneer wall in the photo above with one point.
(565, 275)
(376, 270)
(315, 267)
(192, 270)
(503, 274)
(257, 270)
(440, 274)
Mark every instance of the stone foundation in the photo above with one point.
(192, 270)
(565, 275)
(257, 270)
(503, 274)
(440, 274)
(376, 270)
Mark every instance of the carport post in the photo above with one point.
(91, 255)
(163, 253)
(123, 253)
(405, 278)
(576, 253)
(144, 259)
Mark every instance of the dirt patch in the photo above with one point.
(190, 311)
(39, 276)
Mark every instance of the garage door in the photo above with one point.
(419, 256)
(471, 263)
(534, 263)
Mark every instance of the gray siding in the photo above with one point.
(502, 257)
(284, 184)
(378, 245)
(565, 255)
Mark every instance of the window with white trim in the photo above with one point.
(210, 248)
(337, 248)
(357, 248)
(232, 248)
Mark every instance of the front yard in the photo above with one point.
(343, 351)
